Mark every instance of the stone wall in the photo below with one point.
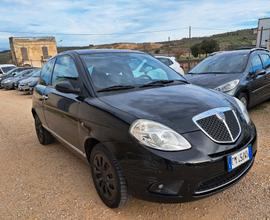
(32, 51)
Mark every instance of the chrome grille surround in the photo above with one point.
(227, 130)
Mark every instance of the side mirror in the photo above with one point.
(66, 87)
(260, 72)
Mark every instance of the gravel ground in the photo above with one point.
(49, 182)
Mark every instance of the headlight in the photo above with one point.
(228, 86)
(243, 109)
(158, 136)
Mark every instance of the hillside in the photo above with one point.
(227, 41)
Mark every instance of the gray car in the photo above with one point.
(28, 84)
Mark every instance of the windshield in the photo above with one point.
(8, 68)
(222, 63)
(36, 73)
(126, 69)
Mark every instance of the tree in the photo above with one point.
(195, 50)
(209, 46)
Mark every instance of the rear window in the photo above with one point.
(8, 68)
(166, 61)
(222, 63)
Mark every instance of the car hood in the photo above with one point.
(212, 80)
(174, 106)
(29, 79)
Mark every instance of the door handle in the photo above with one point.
(45, 97)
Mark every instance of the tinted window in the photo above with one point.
(65, 69)
(266, 60)
(256, 63)
(133, 69)
(6, 69)
(166, 61)
(222, 63)
(46, 72)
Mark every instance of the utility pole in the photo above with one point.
(169, 39)
(189, 53)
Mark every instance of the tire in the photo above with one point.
(108, 178)
(244, 99)
(43, 135)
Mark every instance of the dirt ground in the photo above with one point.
(38, 182)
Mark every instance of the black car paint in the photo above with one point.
(256, 87)
(82, 120)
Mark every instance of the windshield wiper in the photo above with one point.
(162, 82)
(116, 87)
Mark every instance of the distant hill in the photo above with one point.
(227, 41)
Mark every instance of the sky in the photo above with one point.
(109, 21)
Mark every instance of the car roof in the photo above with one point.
(92, 51)
(7, 65)
(163, 56)
(240, 51)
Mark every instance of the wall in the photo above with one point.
(35, 55)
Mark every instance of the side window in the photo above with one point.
(169, 62)
(65, 69)
(256, 63)
(166, 61)
(266, 60)
(46, 72)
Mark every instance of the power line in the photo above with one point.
(91, 34)
(109, 34)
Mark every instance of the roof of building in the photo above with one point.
(48, 38)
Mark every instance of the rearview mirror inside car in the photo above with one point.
(66, 87)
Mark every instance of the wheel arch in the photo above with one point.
(89, 144)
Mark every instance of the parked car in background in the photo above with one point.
(4, 68)
(27, 85)
(171, 62)
(153, 135)
(244, 74)
(12, 82)
(12, 73)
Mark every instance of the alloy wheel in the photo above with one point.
(104, 176)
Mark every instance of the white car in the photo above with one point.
(171, 62)
(4, 68)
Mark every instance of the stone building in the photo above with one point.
(32, 51)
(263, 33)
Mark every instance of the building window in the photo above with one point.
(24, 54)
(45, 52)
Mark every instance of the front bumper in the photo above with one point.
(7, 85)
(23, 88)
(168, 177)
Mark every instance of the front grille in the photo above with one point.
(220, 124)
(222, 180)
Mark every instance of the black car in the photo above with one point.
(244, 74)
(149, 133)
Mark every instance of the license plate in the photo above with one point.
(237, 159)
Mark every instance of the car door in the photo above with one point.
(38, 94)
(61, 109)
(258, 83)
(265, 57)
